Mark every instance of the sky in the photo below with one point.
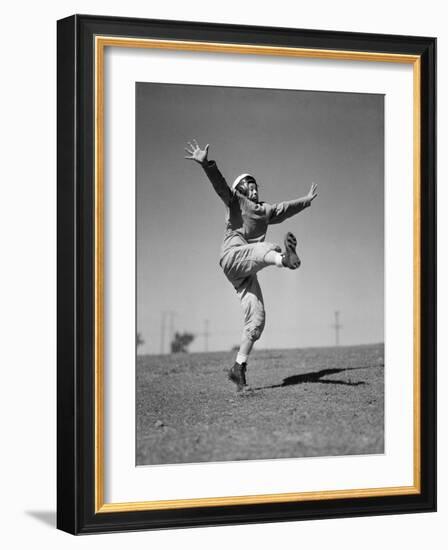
(287, 139)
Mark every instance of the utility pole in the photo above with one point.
(166, 325)
(171, 315)
(337, 326)
(206, 334)
(162, 334)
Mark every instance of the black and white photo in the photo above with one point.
(260, 273)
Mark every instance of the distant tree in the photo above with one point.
(236, 347)
(139, 340)
(181, 341)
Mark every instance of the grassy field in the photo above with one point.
(305, 402)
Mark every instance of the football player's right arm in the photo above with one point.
(214, 175)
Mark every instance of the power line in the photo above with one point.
(167, 331)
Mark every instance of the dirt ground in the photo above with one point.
(304, 402)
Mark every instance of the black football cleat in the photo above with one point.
(290, 258)
(237, 375)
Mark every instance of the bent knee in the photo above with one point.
(255, 330)
(254, 334)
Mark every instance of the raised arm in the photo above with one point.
(214, 175)
(284, 210)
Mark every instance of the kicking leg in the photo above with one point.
(245, 261)
(289, 258)
(241, 262)
(248, 260)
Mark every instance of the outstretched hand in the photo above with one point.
(312, 193)
(196, 153)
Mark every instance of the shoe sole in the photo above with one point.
(292, 260)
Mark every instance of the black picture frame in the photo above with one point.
(76, 510)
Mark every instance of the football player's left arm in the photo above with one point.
(284, 210)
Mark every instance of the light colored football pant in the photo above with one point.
(241, 265)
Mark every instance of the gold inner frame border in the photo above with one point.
(100, 43)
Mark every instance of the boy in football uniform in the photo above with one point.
(244, 250)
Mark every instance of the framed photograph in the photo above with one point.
(246, 274)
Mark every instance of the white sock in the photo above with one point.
(241, 358)
(279, 260)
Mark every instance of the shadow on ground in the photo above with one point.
(314, 377)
